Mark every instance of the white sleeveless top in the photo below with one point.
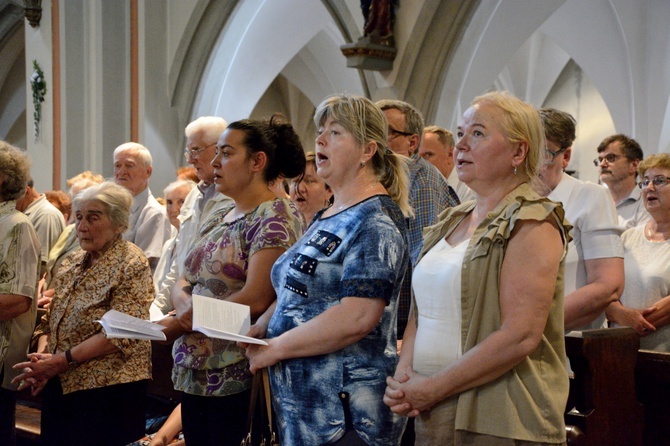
(437, 289)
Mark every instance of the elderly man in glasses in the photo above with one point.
(618, 159)
(594, 264)
(201, 138)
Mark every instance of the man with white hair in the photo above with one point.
(149, 226)
(202, 136)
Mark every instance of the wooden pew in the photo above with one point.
(28, 415)
(603, 402)
(619, 395)
(652, 379)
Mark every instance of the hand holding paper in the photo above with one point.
(222, 319)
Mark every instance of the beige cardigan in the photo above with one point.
(528, 402)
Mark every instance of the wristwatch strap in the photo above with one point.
(70, 360)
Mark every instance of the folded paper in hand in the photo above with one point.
(121, 325)
(222, 319)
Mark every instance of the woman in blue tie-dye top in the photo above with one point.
(332, 338)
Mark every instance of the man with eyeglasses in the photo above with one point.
(202, 136)
(594, 263)
(148, 226)
(618, 158)
(429, 193)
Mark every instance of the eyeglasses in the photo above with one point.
(610, 158)
(553, 155)
(393, 133)
(195, 152)
(658, 181)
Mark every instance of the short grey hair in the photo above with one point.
(177, 184)
(136, 149)
(209, 128)
(115, 199)
(414, 122)
(14, 171)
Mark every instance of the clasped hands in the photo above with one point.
(408, 393)
(38, 369)
(643, 321)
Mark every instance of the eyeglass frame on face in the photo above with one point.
(554, 154)
(658, 181)
(393, 133)
(610, 158)
(195, 152)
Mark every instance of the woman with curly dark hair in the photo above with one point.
(231, 259)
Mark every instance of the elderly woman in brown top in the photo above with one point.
(86, 379)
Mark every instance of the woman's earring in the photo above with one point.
(515, 170)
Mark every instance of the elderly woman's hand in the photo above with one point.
(45, 298)
(39, 369)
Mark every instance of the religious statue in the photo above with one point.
(375, 50)
(379, 20)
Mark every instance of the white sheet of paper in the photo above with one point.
(121, 325)
(222, 319)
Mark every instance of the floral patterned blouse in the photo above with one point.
(217, 266)
(119, 280)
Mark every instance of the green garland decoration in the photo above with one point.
(39, 87)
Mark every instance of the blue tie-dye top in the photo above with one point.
(360, 252)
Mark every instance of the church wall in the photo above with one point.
(38, 47)
(621, 49)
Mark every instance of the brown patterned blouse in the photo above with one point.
(119, 280)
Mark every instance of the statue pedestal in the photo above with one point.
(369, 56)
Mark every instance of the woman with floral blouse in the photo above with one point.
(86, 379)
(231, 259)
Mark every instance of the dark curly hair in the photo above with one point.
(278, 140)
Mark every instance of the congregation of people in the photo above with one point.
(413, 286)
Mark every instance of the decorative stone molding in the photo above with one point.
(369, 56)
(33, 12)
